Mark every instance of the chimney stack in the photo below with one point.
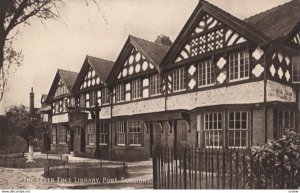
(31, 102)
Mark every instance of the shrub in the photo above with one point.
(276, 164)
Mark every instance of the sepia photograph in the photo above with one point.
(149, 94)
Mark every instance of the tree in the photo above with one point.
(21, 121)
(14, 13)
(163, 40)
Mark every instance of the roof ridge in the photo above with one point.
(59, 69)
(148, 41)
(99, 58)
(245, 19)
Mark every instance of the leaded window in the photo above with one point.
(286, 122)
(61, 134)
(105, 96)
(90, 134)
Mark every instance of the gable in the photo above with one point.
(209, 35)
(135, 63)
(61, 88)
(90, 79)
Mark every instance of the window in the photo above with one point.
(53, 136)
(205, 73)
(213, 130)
(98, 95)
(238, 129)
(61, 134)
(296, 69)
(103, 134)
(87, 100)
(155, 85)
(136, 88)
(120, 93)
(239, 65)
(135, 133)
(93, 96)
(286, 121)
(61, 89)
(179, 79)
(120, 130)
(91, 134)
(105, 96)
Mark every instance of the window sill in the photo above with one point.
(103, 144)
(135, 145)
(239, 79)
(121, 145)
(181, 90)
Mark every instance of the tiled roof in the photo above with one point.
(101, 66)
(153, 51)
(68, 77)
(277, 22)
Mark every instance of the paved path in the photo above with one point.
(139, 177)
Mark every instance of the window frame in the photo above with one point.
(246, 59)
(238, 129)
(133, 126)
(136, 89)
(281, 127)
(204, 73)
(120, 93)
(120, 133)
(91, 134)
(61, 135)
(155, 85)
(54, 135)
(103, 134)
(179, 79)
(293, 60)
(105, 96)
(220, 131)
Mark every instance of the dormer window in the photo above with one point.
(61, 89)
(296, 69)
(179, 79)
(239, 66)
(136, 89)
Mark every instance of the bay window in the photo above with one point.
(213, 130)
(239, 66)
(179, 79)
(135, 133)
(61, 134)
(238, 129)
(103, 134)
(90, 134)
(286, 122)
(121, 132)
(155, 87)
(206, 74)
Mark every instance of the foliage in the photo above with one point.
(23, 126)
(163, 40)
(276, 164)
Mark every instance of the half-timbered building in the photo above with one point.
(60, 98)
(224, 83)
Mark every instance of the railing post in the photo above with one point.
(184, 168)
(154, 168)
(224, 169)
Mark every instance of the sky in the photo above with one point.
(100, 31)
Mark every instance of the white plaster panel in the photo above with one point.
(105, 113)
(280, 92)
(128, 97)
(145, 93)
(62, 118)
(146, 82)
(238, 94)
(128, 87)
(145, 106)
